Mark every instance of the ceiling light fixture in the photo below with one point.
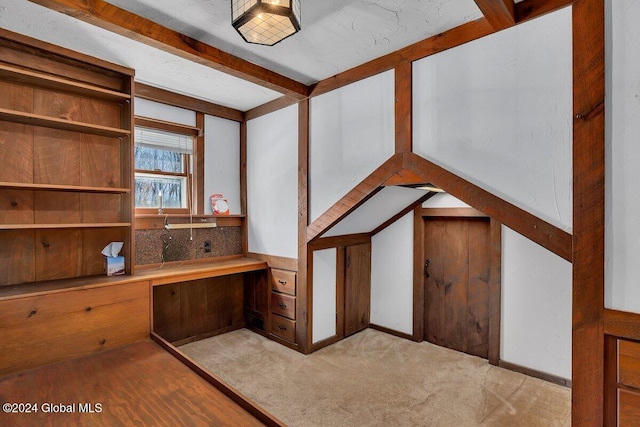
(265, 22)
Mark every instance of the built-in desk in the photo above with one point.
(197, 301)
(46, 322)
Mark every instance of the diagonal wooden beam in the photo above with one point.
(354, 198)
(530, 9)
(112, 18)
(499, 13)
(553, 238)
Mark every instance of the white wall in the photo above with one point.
(536, 306)
(272, 183)
(222, 162)
(324, 294)
(498, 111)
(622, 244)
(392, 276)
(351, 134)
(444, 200)
(168, 113)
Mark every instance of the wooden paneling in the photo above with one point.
(56, 207)
(434, 273)
(139, 384)
(79, 109)
(588, 213)
(628, 408)
(101, 208)
(16, 207)
(16, 152)
(256, 299)
(127, 24)
(166, 312)
(194, 302)
(225, 302)
(57, 157)
(101, 162)
(16, 97)
(45, 329)
(357, 295)
(611, 381)
(455, 284)
(17, 257)
(58, 254)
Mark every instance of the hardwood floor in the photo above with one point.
(139, 384)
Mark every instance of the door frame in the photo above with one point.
(495, 272)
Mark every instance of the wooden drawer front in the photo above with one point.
(44, 329)
(628, 408)
(629, 363)
(283, 305)
(284, 281)
(283, 328)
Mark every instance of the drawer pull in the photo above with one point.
(282, 328)
(282, 282)
(282, 305)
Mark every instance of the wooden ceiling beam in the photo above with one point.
(499, 13)
(530, 9)
(127, 24)
(163, 96)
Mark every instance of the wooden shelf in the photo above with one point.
(45, 81)
(63, 226)
(70, 188)
(62, 124)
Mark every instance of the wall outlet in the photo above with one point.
(207, 245)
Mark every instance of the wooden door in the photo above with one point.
(357, 299)
(457, 259)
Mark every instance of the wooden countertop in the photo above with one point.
(156, 276)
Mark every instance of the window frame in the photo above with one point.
(187, 160)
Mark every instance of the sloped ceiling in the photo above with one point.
(337, 35)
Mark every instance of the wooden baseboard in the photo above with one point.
(324, 343)
(249, 406)
(394, 333)
(534, 373)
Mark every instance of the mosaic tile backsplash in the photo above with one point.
(158, 246)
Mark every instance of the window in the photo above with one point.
(162, 165)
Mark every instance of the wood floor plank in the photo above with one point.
(139, 384)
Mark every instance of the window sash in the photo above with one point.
(163, 140)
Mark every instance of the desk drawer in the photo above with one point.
(283, 281)
(629, 363)
(283, 328)
(283, 305)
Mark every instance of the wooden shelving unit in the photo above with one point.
(66, 143)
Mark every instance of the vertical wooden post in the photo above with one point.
(243, 186)
(403, 107)
(418, 274)
(305, 289)
(588, 213)
(495, 291)
(198, 170)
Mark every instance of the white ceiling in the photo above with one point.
(336, 35)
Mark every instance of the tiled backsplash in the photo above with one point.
(158, 246)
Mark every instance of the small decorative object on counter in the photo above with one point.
(113, 263)
(219, 204)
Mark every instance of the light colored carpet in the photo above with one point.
(376, 379)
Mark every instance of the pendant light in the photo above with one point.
(265, 22)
